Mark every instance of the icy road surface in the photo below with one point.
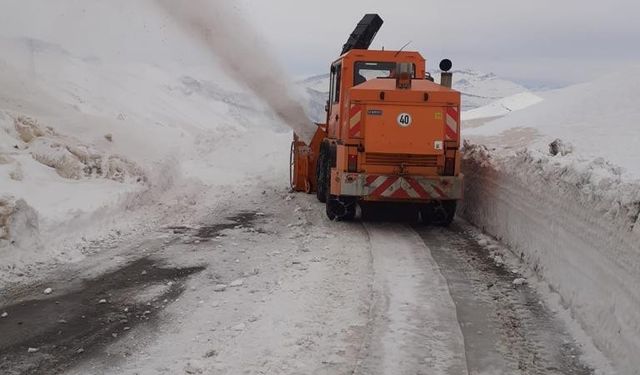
(284, 291)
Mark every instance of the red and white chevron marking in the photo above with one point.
(355, 121)
(452, 121)
(397, 187)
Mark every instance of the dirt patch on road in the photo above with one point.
(242, 220)
(49, 335)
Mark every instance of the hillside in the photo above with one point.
(81, 141)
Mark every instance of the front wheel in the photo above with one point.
(321, 175)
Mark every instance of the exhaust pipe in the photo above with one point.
(446, 77)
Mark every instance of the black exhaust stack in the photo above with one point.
(365, 32)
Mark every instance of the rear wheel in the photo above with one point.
(351, 212)
(341, 209)
(439, 213)
(332, 208)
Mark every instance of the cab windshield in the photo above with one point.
(365, 71)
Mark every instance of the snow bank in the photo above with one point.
(600, 118)
(558, 182)
(70, 158)
(96, 149)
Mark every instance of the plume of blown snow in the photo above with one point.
(242, 54)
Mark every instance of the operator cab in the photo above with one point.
(365, 71)
(360, 66)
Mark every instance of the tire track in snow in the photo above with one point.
(413, 327)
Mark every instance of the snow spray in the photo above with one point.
(242, 55)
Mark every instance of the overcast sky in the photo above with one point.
(553, 42)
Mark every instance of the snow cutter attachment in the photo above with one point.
(303, 159)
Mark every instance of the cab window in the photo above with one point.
(336, 75)
(367, 70)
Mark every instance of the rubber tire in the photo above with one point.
(351, 213)
(328, 197)
(327, 161)
(450, 213)
(430, 215)
(321, 171)
(330, 214)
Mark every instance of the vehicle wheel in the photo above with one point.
(321, 171)
(351, 212)
(340, 209)
(450, 207)
(331, 207)
(442, 213)
(332, 204)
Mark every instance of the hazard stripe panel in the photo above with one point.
(396, 187)
(355, 121)
(453, 124)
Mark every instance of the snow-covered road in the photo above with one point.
(413, 325)
(281, 290)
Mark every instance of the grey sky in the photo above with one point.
(535, 41)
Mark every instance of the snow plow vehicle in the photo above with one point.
(391, 134)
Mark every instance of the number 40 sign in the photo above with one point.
(404, 120)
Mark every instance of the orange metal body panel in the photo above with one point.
(339, 112)
(383, 135)
(438, 95)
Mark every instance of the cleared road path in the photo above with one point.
(285, 291)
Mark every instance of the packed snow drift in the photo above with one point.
(559, 182)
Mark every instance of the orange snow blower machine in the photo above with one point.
(391, 135)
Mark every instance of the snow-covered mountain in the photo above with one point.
(502, 107)
(479, 89)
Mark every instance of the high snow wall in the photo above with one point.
(577, 226)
